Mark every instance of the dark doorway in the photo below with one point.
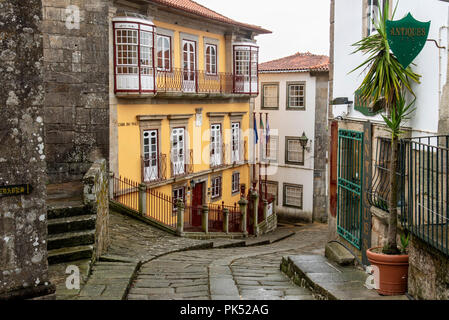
(197, 203)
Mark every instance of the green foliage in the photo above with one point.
(404, 242)
(386, 77)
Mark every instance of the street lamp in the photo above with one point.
(303, 140)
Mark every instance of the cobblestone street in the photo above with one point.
(228, 274)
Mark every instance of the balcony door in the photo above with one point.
(235, 136)
(189, 58)
(150, 155)
(178, 151)
(215, 141)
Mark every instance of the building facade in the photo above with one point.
(293, 101)
(360, 145)
(181, 80)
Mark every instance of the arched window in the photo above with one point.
(134, 55)
(211, 59)
(246, 59)
(163, 53)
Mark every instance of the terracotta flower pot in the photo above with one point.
(393, 272)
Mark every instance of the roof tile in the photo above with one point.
(298, 62)
(195, 8)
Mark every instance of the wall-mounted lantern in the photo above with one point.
(303, 140)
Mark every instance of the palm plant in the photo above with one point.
(387, 82)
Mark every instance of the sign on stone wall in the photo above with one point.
(407, 38)
(16, 190)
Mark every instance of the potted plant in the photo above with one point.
(388, 82)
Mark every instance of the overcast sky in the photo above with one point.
(297, 25)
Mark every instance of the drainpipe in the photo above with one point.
(440, 61)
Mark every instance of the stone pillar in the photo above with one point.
(243, 203)
(23, 212)
(255, 199)
(265, 210)
(226, 220)
(180, 224)
(205, 220)
(142, 199)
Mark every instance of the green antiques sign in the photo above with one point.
(15, 190)
(368, 107)
(407, 38)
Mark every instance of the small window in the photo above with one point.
(296, 96)
(178, 194)
(294, 152)
(235, 182)
(235, 141)
(270, 96)
(271, 188)
(216, 188)
(216, 145)
(163, 53)
(293, 195)
(211, 59)
(372, 13)
(270, 149)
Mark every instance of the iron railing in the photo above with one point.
(154, 170)
(218, 157)
(426, 214)
(379, 191)
(163, 208)
(125, 192)
(183, 166)
(197, 81)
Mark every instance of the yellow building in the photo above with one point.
(182, 81)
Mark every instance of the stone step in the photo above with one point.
(56, 212)
(71, 224)
(70, 239)
(70, 254)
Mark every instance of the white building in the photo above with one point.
(293, 94)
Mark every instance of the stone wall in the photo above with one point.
(96, 196)
(428, 276)
(320, 146)
(76, 64)
(23, 224)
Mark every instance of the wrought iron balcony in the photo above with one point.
(181, 164)
(154, 169)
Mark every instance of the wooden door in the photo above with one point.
(197, 203)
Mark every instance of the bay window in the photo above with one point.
(134, 55)
(246, 58)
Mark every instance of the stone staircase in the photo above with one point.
(71, 226)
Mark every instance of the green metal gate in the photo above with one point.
(349, 186)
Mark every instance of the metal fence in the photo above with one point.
(125, 192)
(195, 81)
(426, 214)
(379, 191)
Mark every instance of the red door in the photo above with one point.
(197, 203)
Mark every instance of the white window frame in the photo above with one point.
(235, 141)
(151, 154)
(372, 13)
(235, 184)
(163, 38)
(286, 203)
(211, 60)
(176, 194)
(273, 149)
(288, 149)
(216, 145)
(301, 87)
(178, 150)
(216, 187)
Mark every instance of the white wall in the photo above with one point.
(348, 30)
(292, 123)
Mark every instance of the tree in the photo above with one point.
(387, 82)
